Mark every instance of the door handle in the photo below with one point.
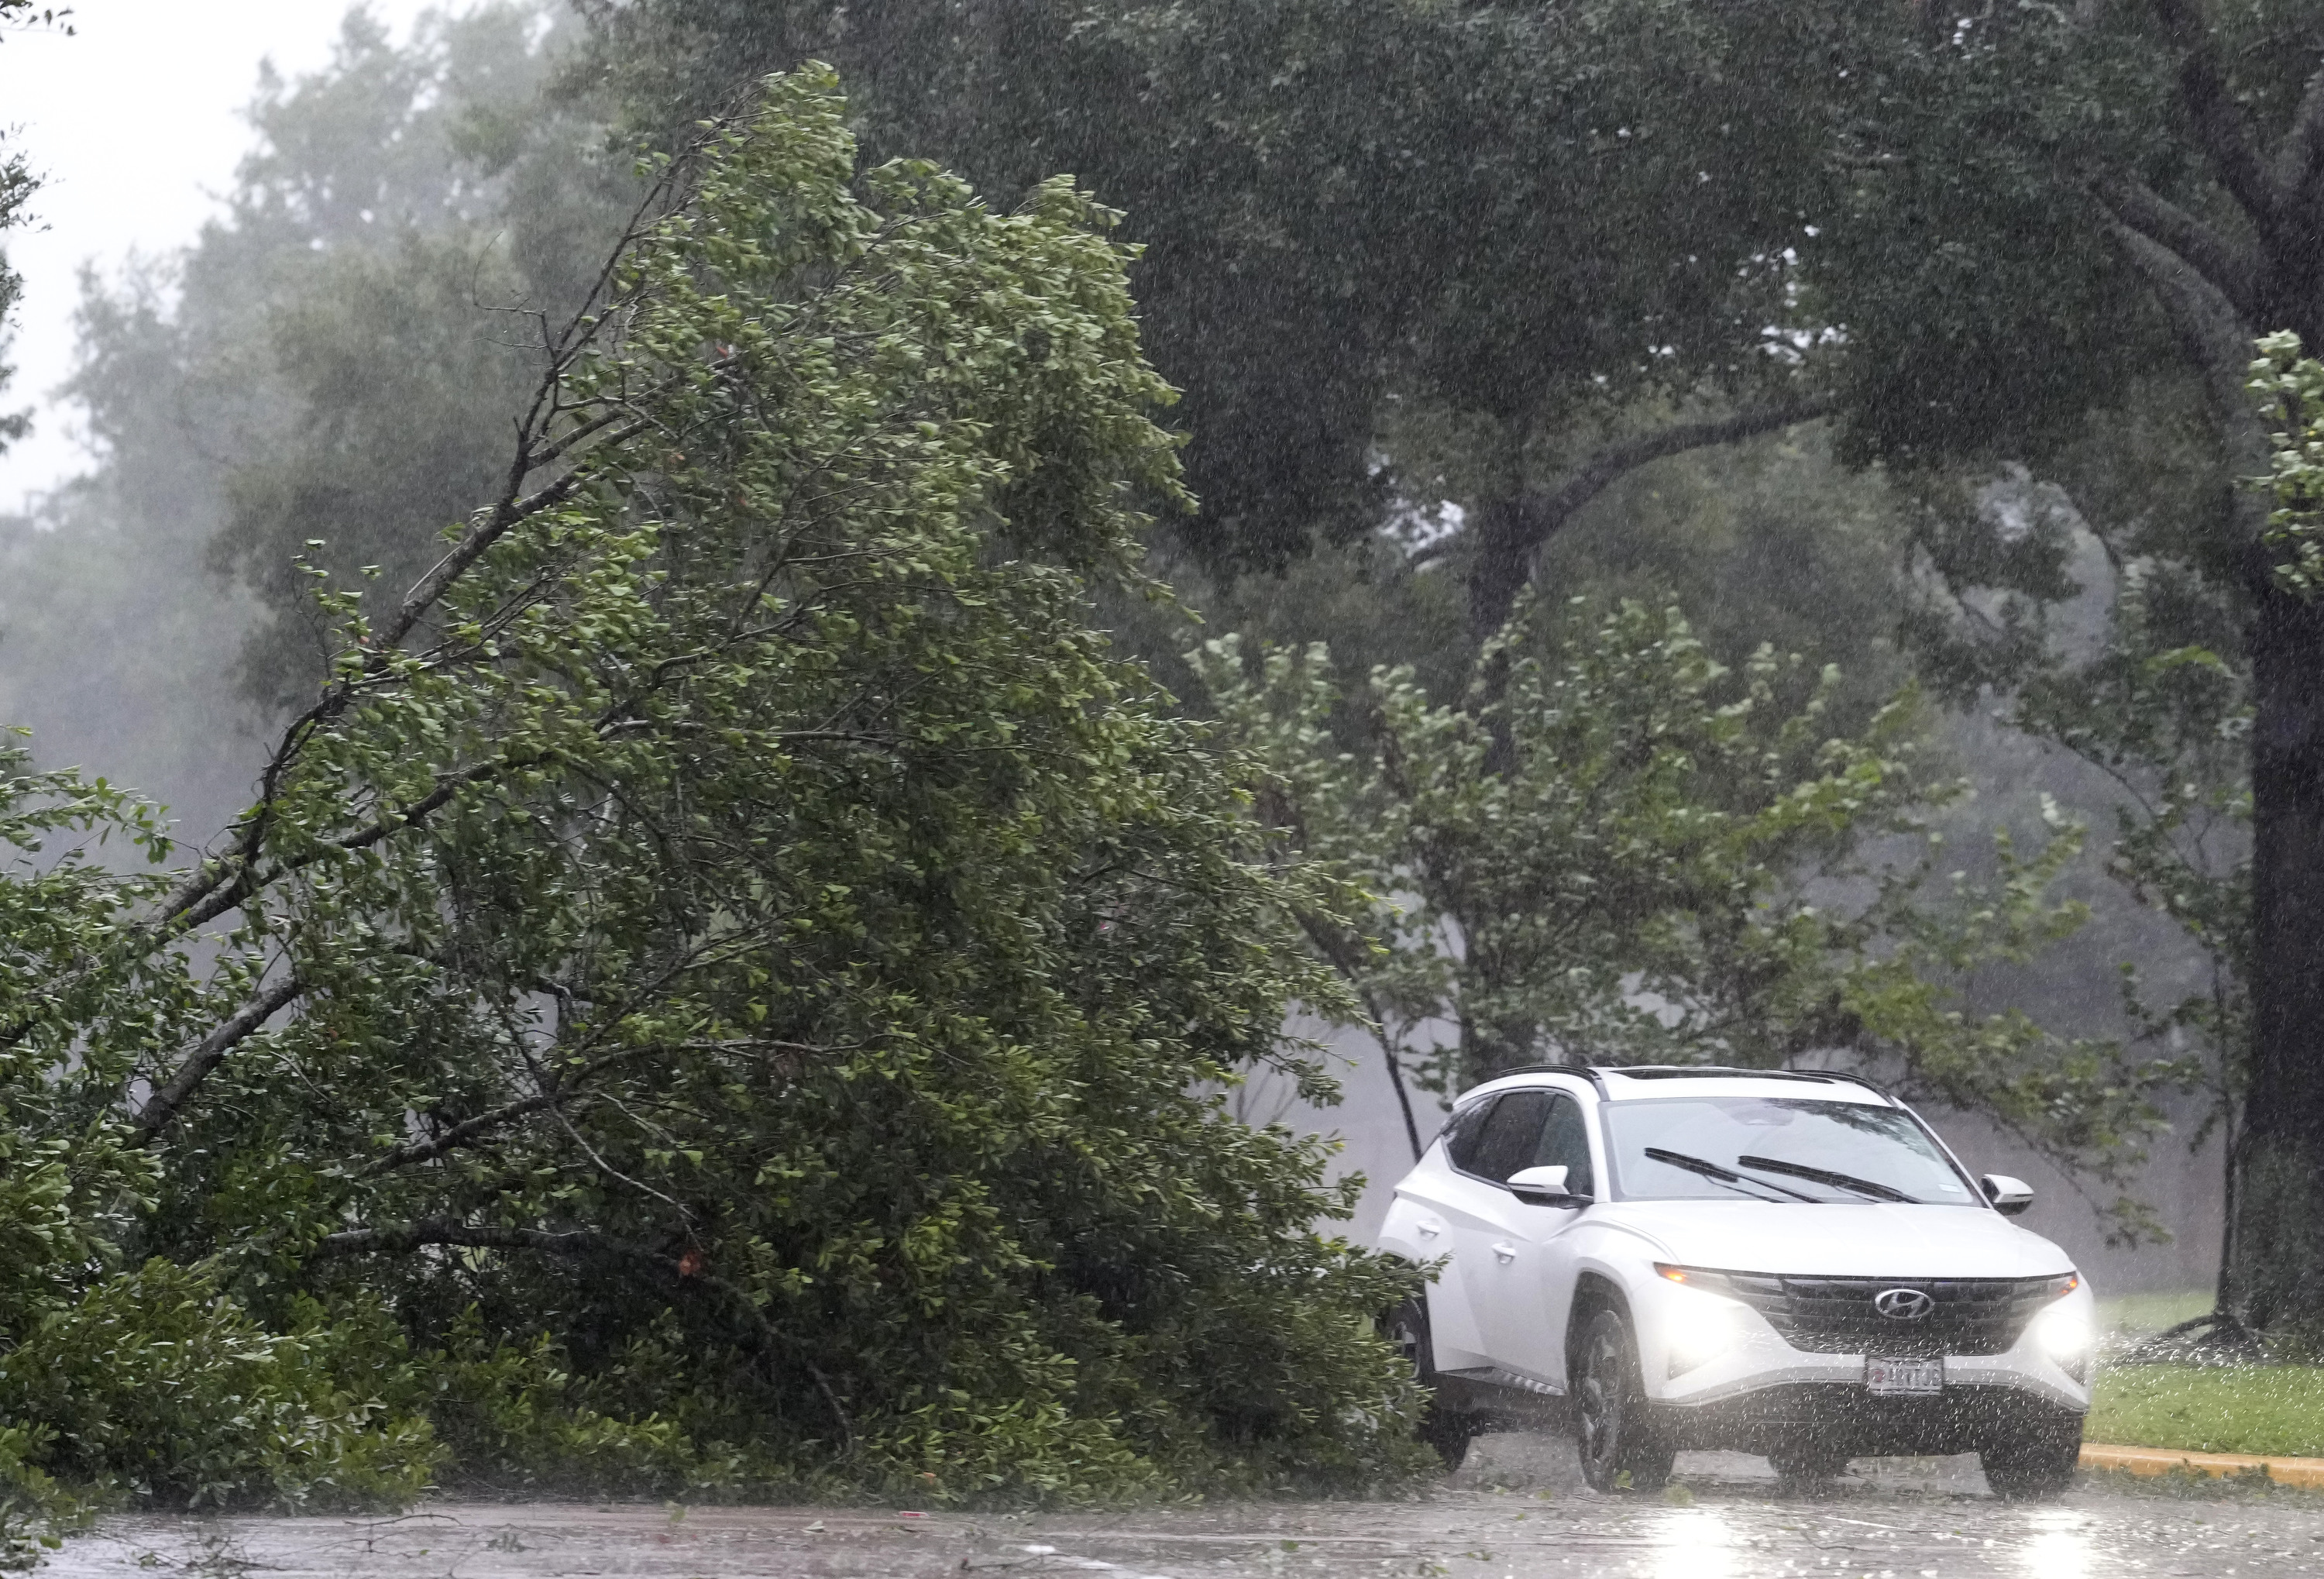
(1427, 1227)
(1505, 1250)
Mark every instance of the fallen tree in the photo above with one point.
(716, 993)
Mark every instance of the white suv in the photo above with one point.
(1784, 1262)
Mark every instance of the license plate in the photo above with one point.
(1904, 1375)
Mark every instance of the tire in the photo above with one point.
(2033, 1460)
(1447, 1430)
(1621, 1450)
(1802, 1461)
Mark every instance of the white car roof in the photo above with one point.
(1645, 1084)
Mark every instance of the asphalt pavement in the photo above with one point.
(1517, 1510)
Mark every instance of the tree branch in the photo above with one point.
(2214, 336)
(533, 450)
(1506, 538)
(1618, 459)
(219, 882)
(2233, 269)
(163, 1106)
(482, 534)
(569, 1089)
(248, 881)
(2300, 157)
(467, 1130)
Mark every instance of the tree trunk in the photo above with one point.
(1503, 540)
(2278, 1275)
(2274, 1275)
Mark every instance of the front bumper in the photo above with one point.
(1847, 1420)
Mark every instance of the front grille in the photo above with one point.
(1836, 1315)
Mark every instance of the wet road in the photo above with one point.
(1517, 1511)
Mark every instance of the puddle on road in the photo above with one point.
(1920, 1519)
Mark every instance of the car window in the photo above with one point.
(1510, 1135)
(1565, 1142)
(1777, 1148)
(1461, 1134)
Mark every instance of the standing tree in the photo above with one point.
(2055, 235)
(1631, 854)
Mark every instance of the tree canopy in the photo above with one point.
(1526, 215)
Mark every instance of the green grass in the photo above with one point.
(2137, 1315)
(2201, 1408)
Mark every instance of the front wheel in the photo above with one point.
(1447, 1430)
(1621, 1451)
(2034, 1459)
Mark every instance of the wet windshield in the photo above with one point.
(1775, 1149)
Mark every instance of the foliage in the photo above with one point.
(2289, 385)
(2167, 724)
(734, 916)
(999, 906)
(157, 1383)
(2144, 677)
(1959, 161)
(372, 310)
(338, 355)
(17, 185)
(150, 1381)
(1633, 855)
(517, 1417)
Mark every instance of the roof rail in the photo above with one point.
(1713, 1072)
(1584, 1070)
(1854, 1078)
(1596, 1074)
(1729, 1071)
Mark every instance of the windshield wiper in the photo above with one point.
(1824, 1176)
(1712, 1171)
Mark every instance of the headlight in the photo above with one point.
(1700, 1330)
(2063, 1332)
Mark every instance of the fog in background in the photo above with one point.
(299, 322)
(113, 190)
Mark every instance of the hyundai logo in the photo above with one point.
(1903, 1304)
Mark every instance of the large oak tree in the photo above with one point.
(2045, 222)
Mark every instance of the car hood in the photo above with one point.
(1874, 1240)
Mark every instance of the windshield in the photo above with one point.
(1775, 1149)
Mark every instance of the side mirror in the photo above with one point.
(1544, 1186)
(2010, 1196)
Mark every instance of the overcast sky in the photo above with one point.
(137, 124)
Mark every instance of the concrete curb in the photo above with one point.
(2162, 1461)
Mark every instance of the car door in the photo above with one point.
(1429, 1202)
(1492, 1229)
(1534, 1343)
